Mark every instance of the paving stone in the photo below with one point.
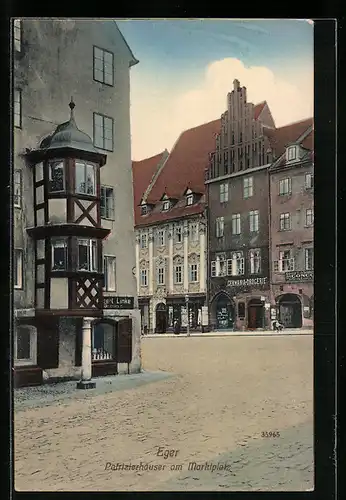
(223, 392)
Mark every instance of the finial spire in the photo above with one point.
(72, 106)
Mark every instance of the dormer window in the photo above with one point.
(144, 210)
(189, 199)
(291, 153)
(166, 205)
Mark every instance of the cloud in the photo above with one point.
(159, 114)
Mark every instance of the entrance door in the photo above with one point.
(161, 318)
(290, 310)
(224, 316)
(255, 314)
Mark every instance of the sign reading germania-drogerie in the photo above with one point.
(247, 282)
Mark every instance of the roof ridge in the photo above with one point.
(297, 121)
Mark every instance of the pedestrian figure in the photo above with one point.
(278, 327)
(176, 327)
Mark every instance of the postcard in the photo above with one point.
(163, 254)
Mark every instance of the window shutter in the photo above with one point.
(48, 344)
(213, 268)
(124, 341)
(234, 265)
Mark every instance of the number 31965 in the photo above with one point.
(270, 434)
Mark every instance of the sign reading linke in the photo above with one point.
(247, 282)
(118, 302)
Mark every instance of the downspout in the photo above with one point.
(208, 254)
(271, 295)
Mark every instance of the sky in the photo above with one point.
(187, 67)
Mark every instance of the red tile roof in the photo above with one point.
(142, 173)
(177, 212)
(259, 108)
(281, 137)
(186, 163)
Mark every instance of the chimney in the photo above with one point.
(236, 84)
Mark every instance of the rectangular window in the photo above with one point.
(103, 132)
(291, 153)
(255, 261)
(193, 233)
(178, 234)
(144, 210)
(18, 268)
(213, 268)
(223, 193)
(87, 255)
(285, 222)
(161, 276)
(109, 264)
(309, 259)
(219, 227)
(144, 277)
(107, 203)
(254, 221)
(17, 188)
(229, 267)
(309, 181)
(23, 341)
(237, 263)
(161, 237)
(103, 66)
(285, 186)
(143, 240)
(285, 262)
(59, 254)
(193, 274)
(85, 178)
(17, 108)
(56, 176)
(236, 229)
(178, 274)
(248, 187)
(17, 34)
(221, 265)
(309, 217)
(166, 206)
(189, 199)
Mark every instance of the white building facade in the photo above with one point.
(73, 238)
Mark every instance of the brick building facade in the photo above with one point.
(239, 202)
(292, 220)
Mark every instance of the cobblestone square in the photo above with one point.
(224, 398)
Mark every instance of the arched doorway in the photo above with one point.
(290, 310)
(255, 314)
(161, 318)
(223, 312)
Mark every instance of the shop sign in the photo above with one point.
(204, 315)
(118, 302)
(183, 316)
(273, 313)
(247, 282)
(299, 276)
